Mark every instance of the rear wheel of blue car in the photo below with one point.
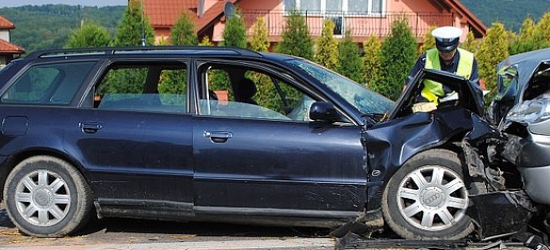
(47, 197)
(427, 198)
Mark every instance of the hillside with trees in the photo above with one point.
(511, 13)
(49, 26)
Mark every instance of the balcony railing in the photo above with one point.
(359, 24)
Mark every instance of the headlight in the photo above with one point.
(531, 111)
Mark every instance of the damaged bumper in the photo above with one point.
(489, 210)
(530, 155)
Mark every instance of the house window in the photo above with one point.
(346, 7)
(336, 10)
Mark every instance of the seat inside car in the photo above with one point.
(247, 90)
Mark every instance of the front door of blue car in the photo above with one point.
(264, 156)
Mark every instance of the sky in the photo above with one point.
(15, 3)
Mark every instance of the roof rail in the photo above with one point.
(114, 50)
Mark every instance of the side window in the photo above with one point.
(52, 84)
(143, 87)
(235, 91)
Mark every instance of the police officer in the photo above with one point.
(447, 57)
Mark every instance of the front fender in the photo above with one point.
(391, 144)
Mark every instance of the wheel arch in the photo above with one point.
(424, 163)
(9, 164)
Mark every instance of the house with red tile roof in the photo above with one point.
(363, 18)
(7, 49)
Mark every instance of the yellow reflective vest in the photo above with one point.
(432, 91)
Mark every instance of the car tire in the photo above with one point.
(47, 197)
(418, 206)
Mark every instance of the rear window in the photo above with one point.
(52, 84)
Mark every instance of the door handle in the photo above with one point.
(90, 127)
(218, 136)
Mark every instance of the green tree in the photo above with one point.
(129, 33)
(234, 33)
(327, 46)
(542, 32)
(266, 89)
(259, 36)
(50, 26)
(398, 56)
(296, 38)
(350, 64)
(429, 41)
(526, 39)
(183, 32)
(206, 41)
(493, 49)
(89, 35)
(133, 27)
(471, 44)
(372, 69)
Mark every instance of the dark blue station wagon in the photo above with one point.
(227, 134)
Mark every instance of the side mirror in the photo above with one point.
(323, 111)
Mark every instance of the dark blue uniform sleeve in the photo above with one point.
(474, 77)
(419, 65)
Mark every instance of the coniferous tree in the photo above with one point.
(527, 31)
(219, 80)
(183, 32)
(296, 38)
(266, 88)
(429, 41)
(135, 28)
(234, 33)
(350, 64)
(526, 39)
(398, 55)
(327, 47)
(542, 32)
(162, 41)
(471, 44)
(206, 41)
(259, 36)
(89, 35)
(372, 69)
(493, 50)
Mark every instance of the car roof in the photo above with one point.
(526, 63)
(157, 50)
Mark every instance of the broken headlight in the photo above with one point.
(531, 111)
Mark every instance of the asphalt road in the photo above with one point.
(143, 234)
(128, 234)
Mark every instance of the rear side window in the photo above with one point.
(143, 87)
(52, 84)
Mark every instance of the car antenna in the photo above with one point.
(143, 40)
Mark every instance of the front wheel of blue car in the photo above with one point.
(427, 198)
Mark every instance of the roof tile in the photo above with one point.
(5, 24)
(165, 13)
(6, 47)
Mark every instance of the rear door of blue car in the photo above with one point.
(133, 135)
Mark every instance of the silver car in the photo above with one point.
(521, 109)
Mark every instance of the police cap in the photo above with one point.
(446, 38)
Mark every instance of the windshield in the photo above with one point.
(365, 100)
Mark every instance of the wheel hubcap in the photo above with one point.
(432, 198)
(42, 198)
